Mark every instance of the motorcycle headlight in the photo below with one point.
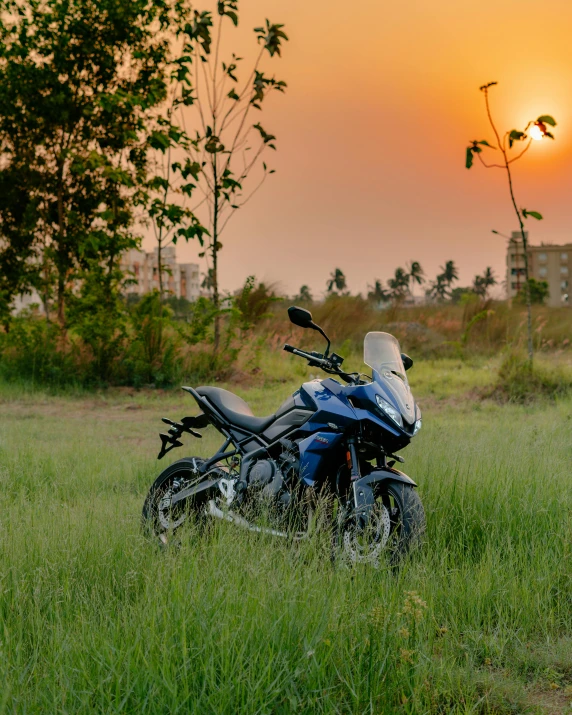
(389, 410)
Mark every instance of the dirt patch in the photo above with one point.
(551, 702)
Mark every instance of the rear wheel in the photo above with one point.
(159, 518)
(395, 525)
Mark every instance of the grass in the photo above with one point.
(95, 619)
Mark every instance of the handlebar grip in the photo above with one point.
(289, 348)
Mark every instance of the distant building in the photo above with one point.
(179, 279)
(546, 262)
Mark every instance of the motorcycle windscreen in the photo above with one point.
(382, 353)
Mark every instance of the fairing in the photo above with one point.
(382, 353)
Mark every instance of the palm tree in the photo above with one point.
(481, 284)
(337, 281)
(438, 288)
(398, 285)
(304, 296)
(416, 275)
(378, 294)
(450, 274)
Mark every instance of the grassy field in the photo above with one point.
(95, 619)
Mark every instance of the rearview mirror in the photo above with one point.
(407, 361)
(301, 317)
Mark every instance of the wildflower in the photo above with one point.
(377, 616)
(413, 606)
(310, 653)
(442, 631)
(407, 655)
(488, 661)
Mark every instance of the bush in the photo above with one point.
(31, 352)
(538, 292)
(519, 381)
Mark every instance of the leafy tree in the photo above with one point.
(460, 294)
(228, 144)
(481, 284)
(538, 128)
(208, 281)
(538, 292)
(77, 81)
(253, 302)
(304, 296)
(337, 282)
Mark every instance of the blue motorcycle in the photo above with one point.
(329, 450)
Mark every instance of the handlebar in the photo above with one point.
(320, 362)
(315, 361)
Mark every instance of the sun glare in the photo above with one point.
(536, 132)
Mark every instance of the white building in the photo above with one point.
(179, 279)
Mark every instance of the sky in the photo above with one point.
(382, 101)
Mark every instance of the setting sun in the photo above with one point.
(536, 132)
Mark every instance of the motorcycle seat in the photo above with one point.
(235, 409)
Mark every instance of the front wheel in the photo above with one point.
(396, 524)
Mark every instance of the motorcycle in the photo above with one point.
(329, 443)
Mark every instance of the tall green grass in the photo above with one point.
(95, 619)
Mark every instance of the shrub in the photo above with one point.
(519, 381)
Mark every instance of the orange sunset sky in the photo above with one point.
(382, 99)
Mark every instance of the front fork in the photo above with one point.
(362, 496)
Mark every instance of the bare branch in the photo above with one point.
(490, 166)
(521, 153)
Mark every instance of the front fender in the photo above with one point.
(363, 488)
(386, 474)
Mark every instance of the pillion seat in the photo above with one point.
(235, 409)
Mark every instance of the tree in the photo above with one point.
(441, 287)
(534, 129)
(537, 290)
(378, 294)
(226, 145)
(337, 281)
(449, 274)
(438, 289)
(304, 296)
(208, 281)
(398, 285)
(416, 275)
(77, 82)
(481, 284)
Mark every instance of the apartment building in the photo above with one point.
(547, 262)
(179, 279)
